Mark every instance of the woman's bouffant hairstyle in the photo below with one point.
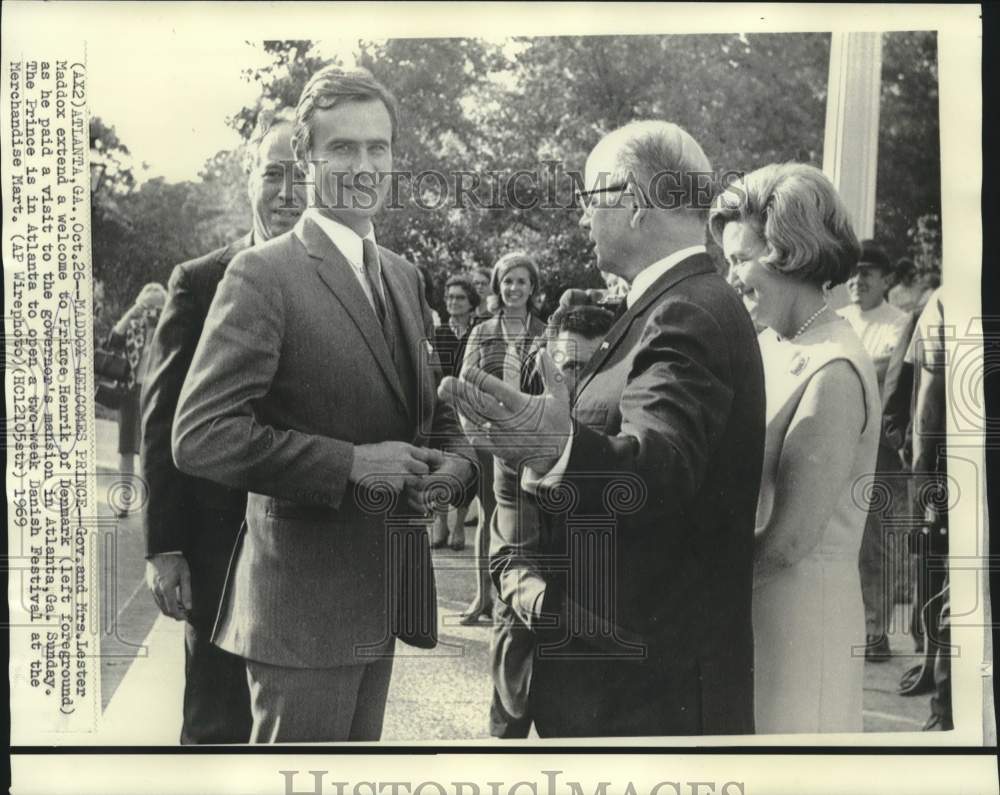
(506, 263)
(800, 216)
(463, 281)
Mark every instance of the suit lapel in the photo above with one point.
(691, 266)
(335, 271)
(411, 326)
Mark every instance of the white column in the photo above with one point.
(850, 145)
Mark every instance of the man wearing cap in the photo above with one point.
(191, 523)
(881, 327)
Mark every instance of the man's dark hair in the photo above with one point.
(905, 269)
(589, 322)
(874, 256)
(330, 86)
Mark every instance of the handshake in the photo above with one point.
(428, 479)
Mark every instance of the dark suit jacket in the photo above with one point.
(650, 534)
(450, 349)
(291, 372)
(194, 516)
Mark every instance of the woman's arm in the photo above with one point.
(816, 460)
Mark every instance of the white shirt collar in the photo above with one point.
(651, 273)
(350, 244)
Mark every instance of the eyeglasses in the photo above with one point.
(584, 197)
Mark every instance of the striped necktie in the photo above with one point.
(370, 256)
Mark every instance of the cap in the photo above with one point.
(872, 256)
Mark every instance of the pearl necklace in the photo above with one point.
(809, 322)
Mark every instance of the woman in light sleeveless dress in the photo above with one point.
(785, 233)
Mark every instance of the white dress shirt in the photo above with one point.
(644, 280)
(530, 479)
(351, 245)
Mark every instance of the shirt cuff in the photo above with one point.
(166, 552)
(531, 479)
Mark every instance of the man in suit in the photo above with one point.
(639, 593)
(312, 388)
(191, 524)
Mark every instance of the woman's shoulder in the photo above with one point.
(842, 370)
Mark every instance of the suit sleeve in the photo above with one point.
(168, 516)
(674, 407)
(217, 433)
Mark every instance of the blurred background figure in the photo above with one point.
(926, 356)
(461, 300)
(481, 278)
(134, 330)
(617, 286)
(785, 234)
(910, 293)
(573, 335)
(501, 346)
(882, 329)
(98, 300)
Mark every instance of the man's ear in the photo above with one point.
(639, 214)
(298, 152)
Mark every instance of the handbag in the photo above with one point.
(111, 371)
(110, 360)
(110, 394)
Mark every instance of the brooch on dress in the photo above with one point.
(798, 364)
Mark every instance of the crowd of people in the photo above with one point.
(670, 537)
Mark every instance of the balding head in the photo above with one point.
(648, 190)
(667, 165)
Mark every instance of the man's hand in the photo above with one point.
(443, 486)
(169, 578)
(511, 425)
(393, 464)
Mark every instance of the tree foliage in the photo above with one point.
(480, 112)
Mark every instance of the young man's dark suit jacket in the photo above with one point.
(667, 450)
(196, 517)
(293, 370)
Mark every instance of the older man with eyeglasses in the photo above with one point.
(638, 586)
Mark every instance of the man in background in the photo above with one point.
(574, 334)
(910, 293)
(481, 281)
(881, 327)
(190, 523)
